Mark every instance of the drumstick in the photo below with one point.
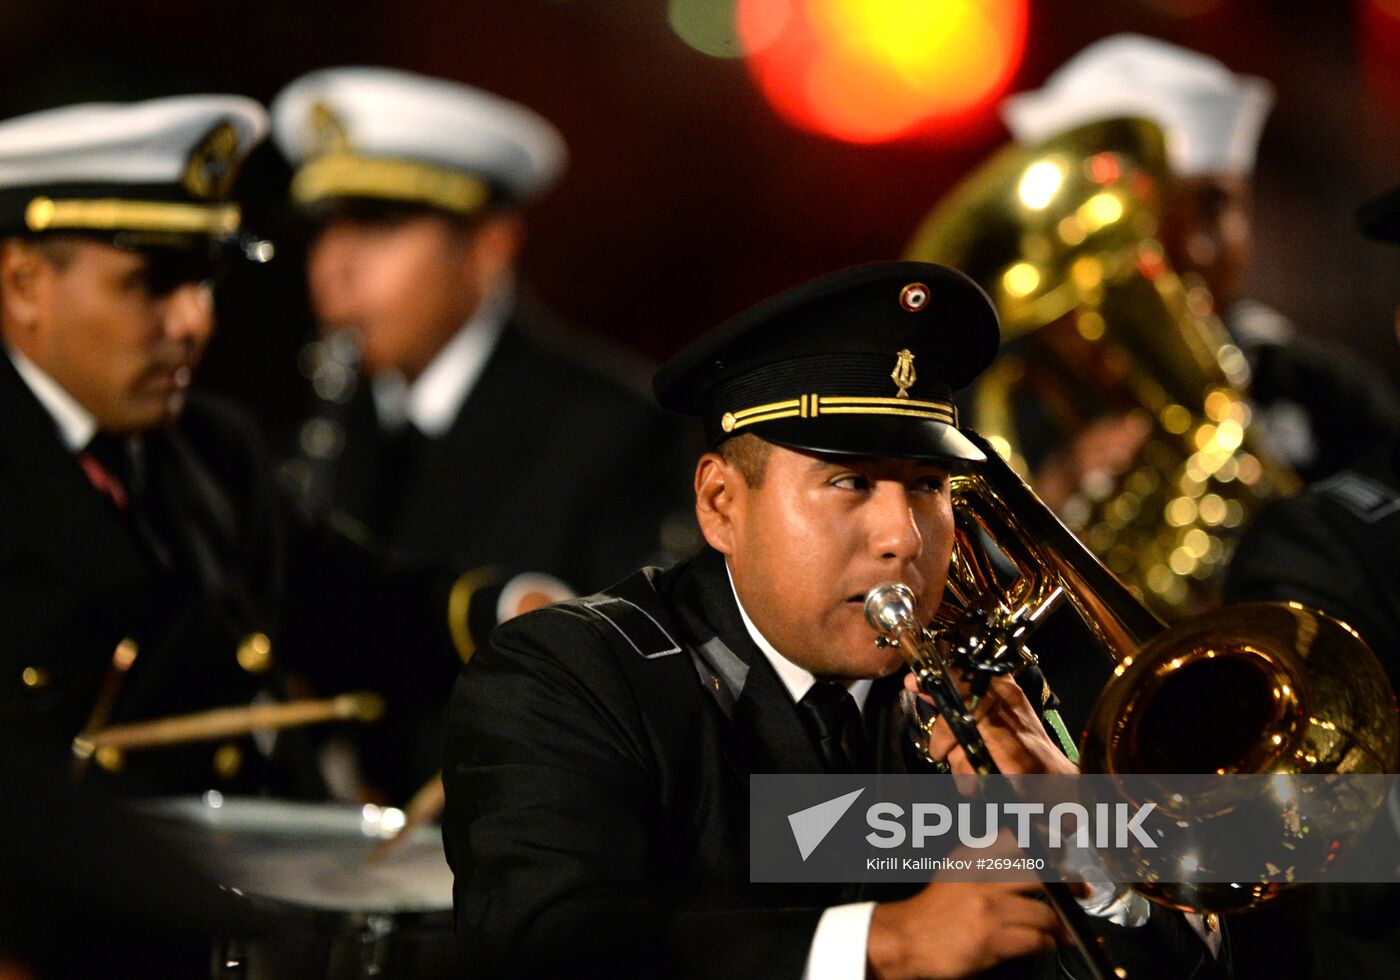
(122, 659)
(226, 722)
(426, 804)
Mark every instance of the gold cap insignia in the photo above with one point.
(328, 132)
(210, 170)
(903, 373)
(914, 297)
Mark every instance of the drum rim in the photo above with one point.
(304, 820)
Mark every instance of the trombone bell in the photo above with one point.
(1253, 689)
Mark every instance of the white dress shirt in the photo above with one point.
(433, 400)
(838, 946)
(76, 425)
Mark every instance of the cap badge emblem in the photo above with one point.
(903, 373)
(914, 297)
(328, 132)
(210, 168)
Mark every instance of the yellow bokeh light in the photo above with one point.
(1212, 507)
(928, 45)
(1090, 325)
(1218, 405)
(1229, 435)
(1040, 183)
(1203, 436)
(1176, 419)
(1071, 231)
(1020, 280)
(1001, 445)
(868, 71)
(1196, 542)
(1087, 272)
(1160, 578)
(1100, 210)
(1181, 511)
(1182, 562)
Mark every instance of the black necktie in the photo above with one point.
(834, 720)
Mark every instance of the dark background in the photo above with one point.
(687, 197)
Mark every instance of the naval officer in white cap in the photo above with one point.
(472, 427)
(115, 495)
(1320, 405)
(147, 568)
(94, 193)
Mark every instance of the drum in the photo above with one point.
(307, 865)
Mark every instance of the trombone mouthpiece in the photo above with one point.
(889, 609)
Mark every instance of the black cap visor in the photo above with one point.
(871, 436)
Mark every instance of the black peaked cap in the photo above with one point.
(861, 362)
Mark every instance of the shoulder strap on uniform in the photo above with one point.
(1367, 499)
(663, 668)
(636, 626)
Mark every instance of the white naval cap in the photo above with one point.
(1212, 117)
(383, 134)
(160, 167)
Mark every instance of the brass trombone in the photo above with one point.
(1258, 688)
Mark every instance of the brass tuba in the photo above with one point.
(1097, 328)
(1257, 688)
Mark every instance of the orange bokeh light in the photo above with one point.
(869, 71)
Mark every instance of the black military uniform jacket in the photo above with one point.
(1321, 405)
(205, 557)
(597, 763)
(553, 464)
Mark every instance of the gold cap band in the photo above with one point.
(116, 214)
(348, 175)
(815, 406)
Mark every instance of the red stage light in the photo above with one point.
(875, 70)
(1378, 27)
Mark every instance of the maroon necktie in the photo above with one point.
(102, 478)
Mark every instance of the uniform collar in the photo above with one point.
(432, 402)
(76, 425)
(797, 680)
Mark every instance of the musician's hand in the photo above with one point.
(957, 929)
(1011, 728)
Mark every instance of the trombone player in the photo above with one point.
(598, 751)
